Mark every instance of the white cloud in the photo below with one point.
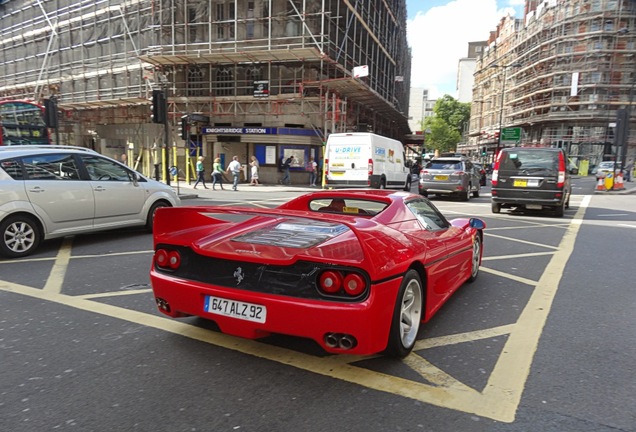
(439, 38)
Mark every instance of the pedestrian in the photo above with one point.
(254, 171)
(286, 180)
(200, 172)
(217, 174)
(313, 172)
(234, 167)
(628, 170)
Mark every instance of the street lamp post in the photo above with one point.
(503, 95)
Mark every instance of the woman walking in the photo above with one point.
(200, 173)
(217, 174)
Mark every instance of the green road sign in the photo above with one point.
(511, 134)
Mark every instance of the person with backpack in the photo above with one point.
(286, 180)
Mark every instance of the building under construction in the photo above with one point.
(269, 78)
(564, 75)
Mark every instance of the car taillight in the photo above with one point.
(330, 282)
(326, 167)
(495, 170)
(459, 173)
(343, 283)
(167, 259)
(354, 284)
(370, 167)
(561, 178)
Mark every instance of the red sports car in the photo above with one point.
(356, 271)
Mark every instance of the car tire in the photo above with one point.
(495, 207)
(20, 236)
(424, 194)
(476, 193)
(465, 195)
(151, 214)
(559, 210)
(407, 316)
(475, 260)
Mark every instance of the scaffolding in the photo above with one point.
(576, 66)
(103, 58)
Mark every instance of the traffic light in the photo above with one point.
(184, 128)
(159, 107)
(50, 113)
(483, 151)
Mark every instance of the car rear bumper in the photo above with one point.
(518, 197)
(369, 321)
(441, 188)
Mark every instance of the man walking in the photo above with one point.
(234, 167)
(286, 177)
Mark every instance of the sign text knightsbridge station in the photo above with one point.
(229, 130)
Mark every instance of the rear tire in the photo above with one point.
(495, 207)
(407, 316)
(20, 236)
(559, 210)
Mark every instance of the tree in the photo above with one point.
(442, 136)
(447, 125)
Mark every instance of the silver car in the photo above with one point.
(455, 176)
(54, 191)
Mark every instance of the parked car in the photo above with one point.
(531, 179)
(357, 271)
(483, 179)
(54, 191)
(605, 168)
(454, 175)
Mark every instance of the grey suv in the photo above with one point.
(54, 191)
(455, 176)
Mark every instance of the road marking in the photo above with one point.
(627, 226)
(56, 278)
(515, 256)
(612, 214)
(516, 240)
(509, 276)
(114, 294)
(498, 400)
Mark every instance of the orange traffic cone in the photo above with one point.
(618, 184)
(600, 186)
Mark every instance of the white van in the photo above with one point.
(360, 159)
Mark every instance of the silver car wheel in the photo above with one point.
(19, 237)
(475, 259)
(410, 313)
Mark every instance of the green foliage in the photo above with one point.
(446, 127)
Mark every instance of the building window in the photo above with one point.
(225, 82)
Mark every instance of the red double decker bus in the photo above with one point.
(22, 123)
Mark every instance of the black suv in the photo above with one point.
(531, 178)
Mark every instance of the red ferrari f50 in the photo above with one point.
(356, 271)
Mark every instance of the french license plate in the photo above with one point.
(235, 309)
(441, 177)
(520, 183)
(534, 206)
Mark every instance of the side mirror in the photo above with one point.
(477, 223)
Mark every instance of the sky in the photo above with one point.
(438, 32)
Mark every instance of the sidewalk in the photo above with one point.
(186, 191)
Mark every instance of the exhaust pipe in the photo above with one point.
(340, 340)
(347, 342)
(332, 339)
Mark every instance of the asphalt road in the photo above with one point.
(542, 341)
